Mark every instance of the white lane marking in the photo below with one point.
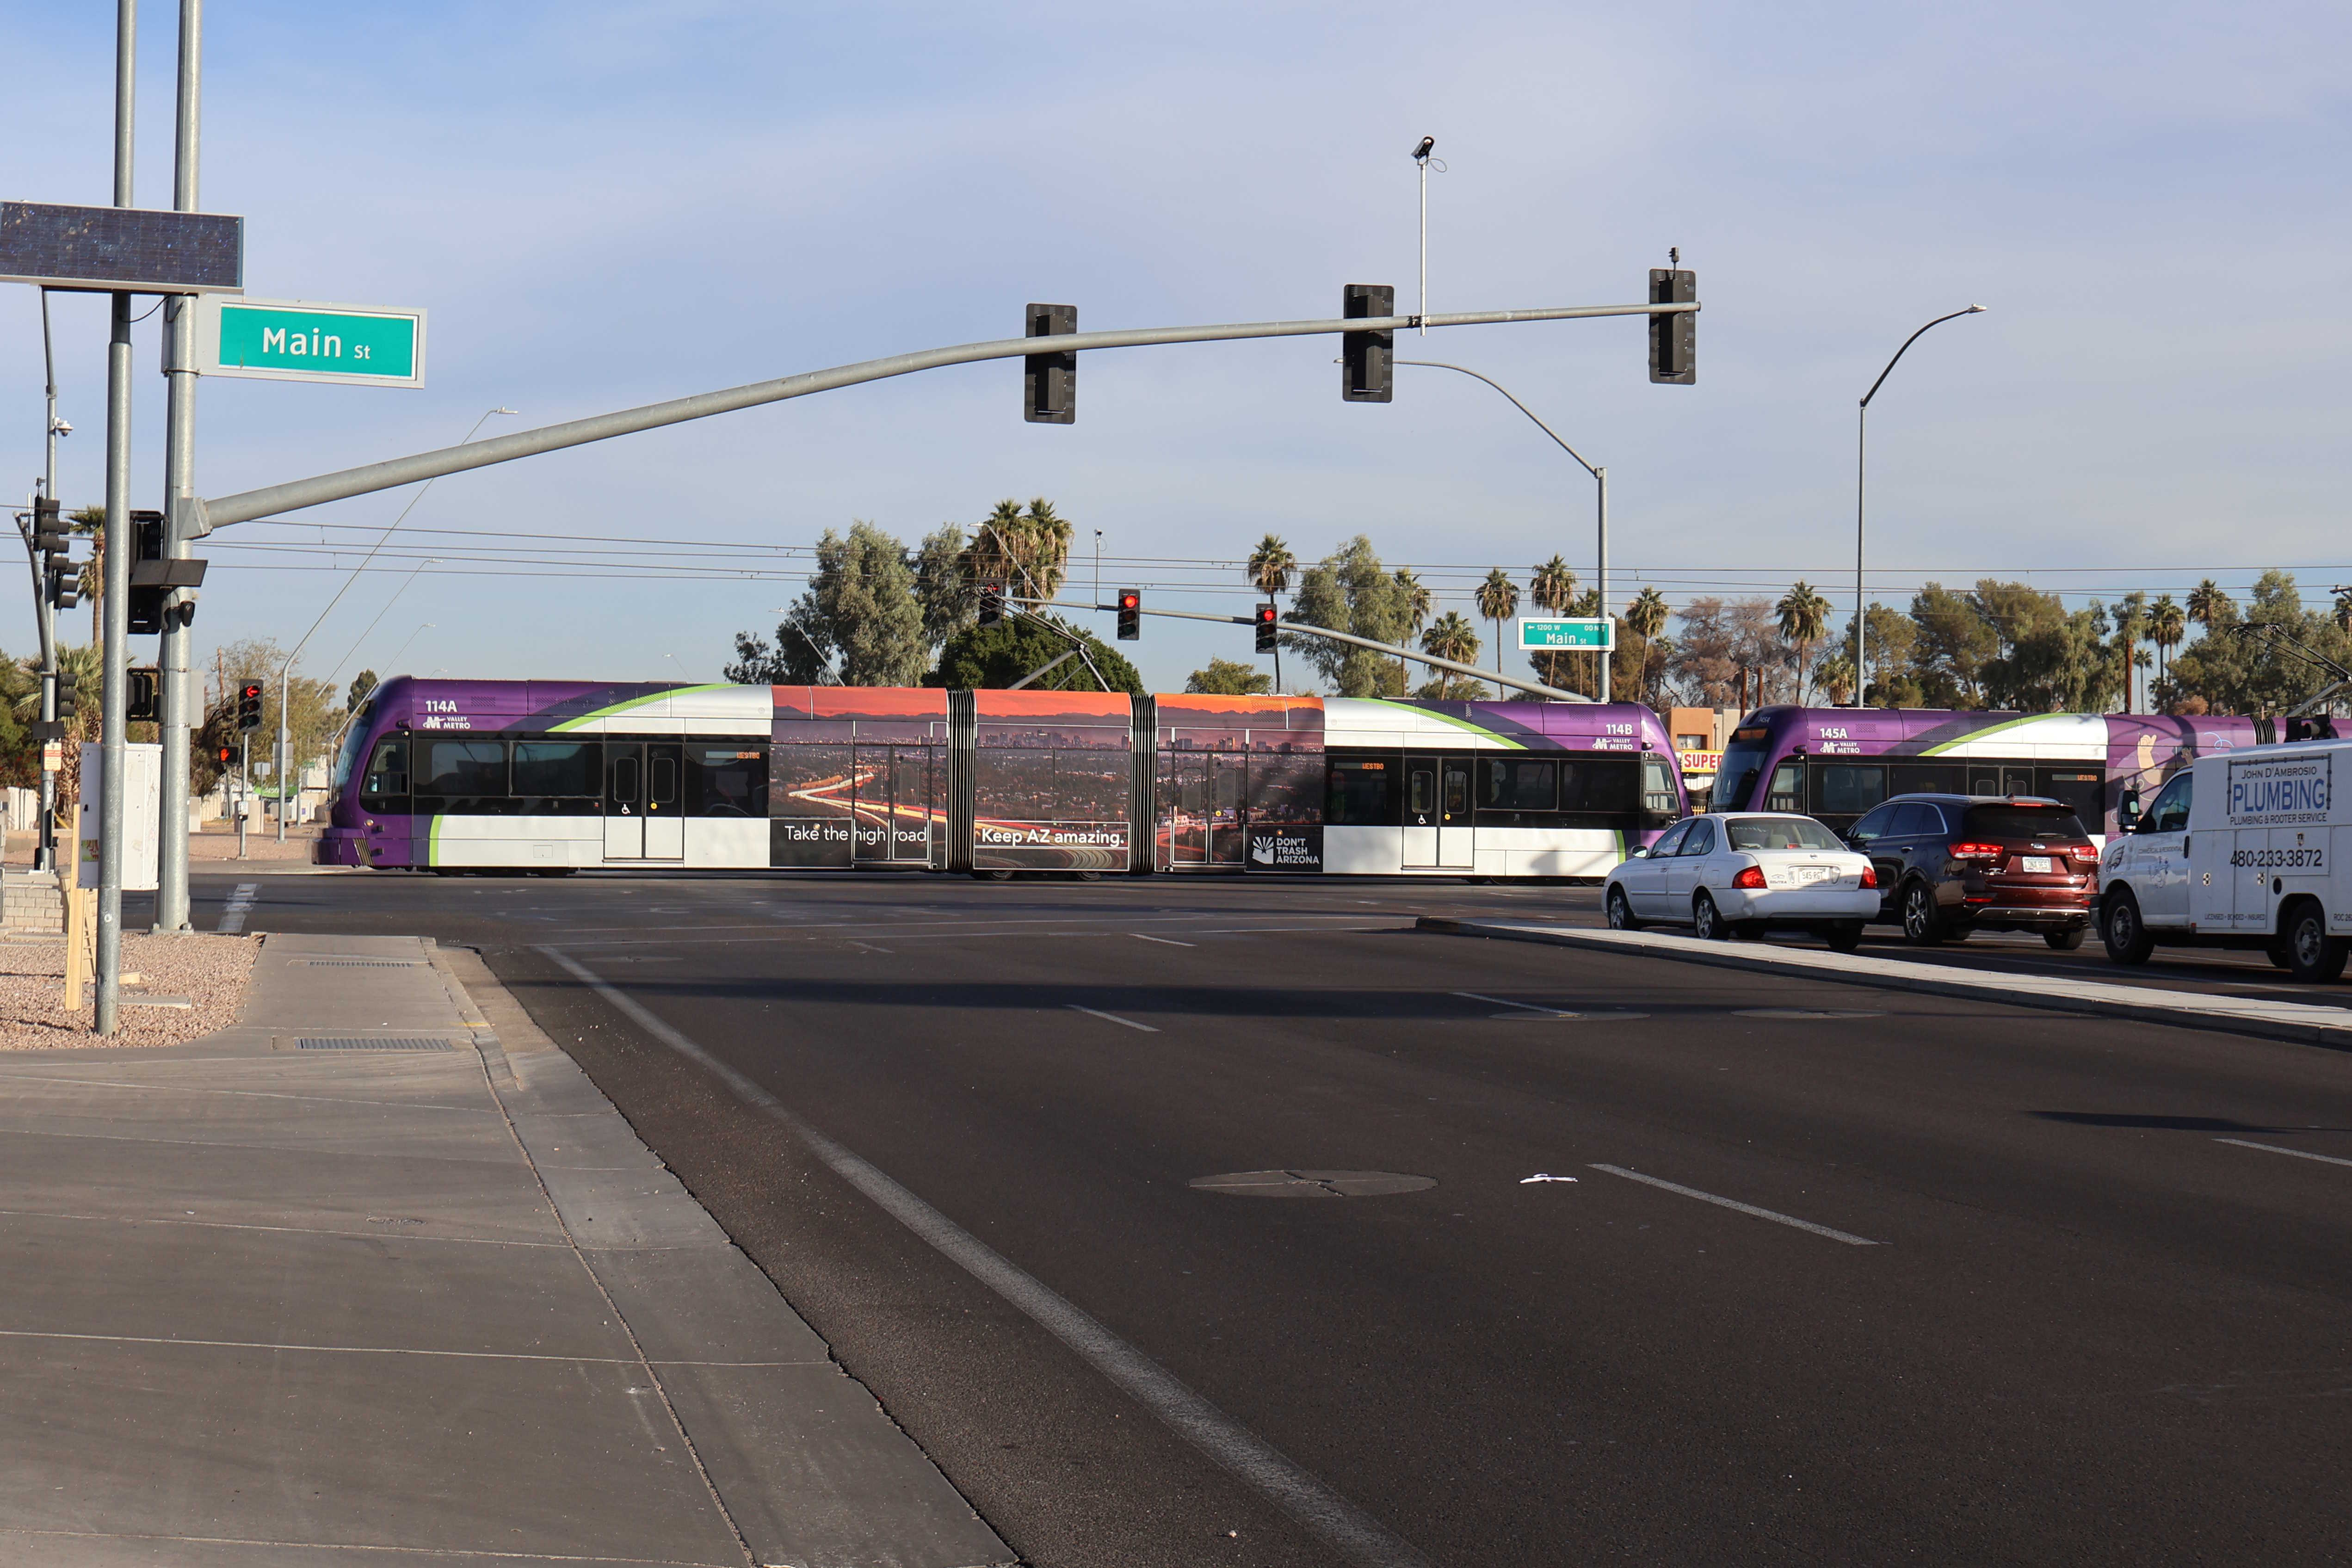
(1355, 1534)
(1112, 1018)
(1162, 941)
(1523, 1006)
(1777, 1217)
(867, 945)
(2275, 1149)
(239, 905)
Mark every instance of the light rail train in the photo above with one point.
(556, 776)
(1835, 764)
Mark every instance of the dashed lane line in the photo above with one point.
(2276, 1149)
(1354, 1535)
(1162, 941)
(1112, 1018)
(1773, 1214)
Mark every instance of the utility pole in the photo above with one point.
(116, 615)
(44, 614)
(172, 698)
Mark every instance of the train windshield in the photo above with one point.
(1735, 781)
(347, 756)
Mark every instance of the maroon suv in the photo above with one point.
(1952, 864)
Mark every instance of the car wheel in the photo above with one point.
(1706, 921)
(1845, 936)
(2126, 934)
(2313, 956)
(1923, 922)
(1620, 911)
(2065, 941)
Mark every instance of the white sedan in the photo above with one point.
(1741, 872)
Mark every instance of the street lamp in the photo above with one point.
(1599, 477)
(1861, 432)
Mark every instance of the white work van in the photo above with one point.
(2246, 850)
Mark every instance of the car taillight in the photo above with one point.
(1752, 877)
(1977, 851)
(1870, 876)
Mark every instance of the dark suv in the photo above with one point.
(1952, 864)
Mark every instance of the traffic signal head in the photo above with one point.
(1049, 383)
(1266, 617)
(1130, 615)
(1366, 359)
(66, 681)
(248, 706)
(992, 603)
(1673, 340)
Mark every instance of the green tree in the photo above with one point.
(1452, 635)
(1027, 550)
(940, 589)
(1893, 637)
(361, 684)
(1646, 617)
(2130, 619)
(1953, 643)
(1498, 601)
(991, 657)
(1833, 677)
(315, 714)
(859, 607)
(2167, 626)
(1229, 677)
(2255, 662)
(1419, 608)
(1350, 591)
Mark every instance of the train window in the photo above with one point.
(662, 793)
(2085, 789)
(1845, 788)
(1610, 784)
(1659, 796)
(624, 792)
(569, 768)
(1927, 778)
(1287, 788)
(1787, 788)
(1517, 784)
(733, 780)
(387, 771)
(1357, 794)
(454, 769)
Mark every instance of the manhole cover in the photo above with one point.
(1802, 1013)
(1312, 1183)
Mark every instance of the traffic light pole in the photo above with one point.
(173, 706)
(272, 500)
(116, 615)
(45, 613)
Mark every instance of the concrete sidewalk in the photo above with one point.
(380, 1272)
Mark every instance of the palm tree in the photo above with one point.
(2131, 627)
(2205, 601)
(1417, 607)
(1270, 566)
(1804, 621)
(996, 553)
(1498, 601)
(1452, 638)
(2167, 626)
(1834, 676)
(1552, 586)
(2343, 609)
(1048, 534)
(1647, 617)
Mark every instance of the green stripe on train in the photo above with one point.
(1449, 719)
(620, 707)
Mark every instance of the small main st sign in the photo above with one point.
(295, 339)
(1552, 634)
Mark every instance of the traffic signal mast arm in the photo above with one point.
(273, 500)
(1534, 687)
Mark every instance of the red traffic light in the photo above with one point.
(252, 692)
(1130, 599)
(1266, 614)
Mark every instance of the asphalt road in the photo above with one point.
(2064, 1288)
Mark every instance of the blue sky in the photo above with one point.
(606, 205)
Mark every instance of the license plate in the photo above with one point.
(2033, 862)
(1800, 875)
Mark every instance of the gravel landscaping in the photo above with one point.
(211, 972)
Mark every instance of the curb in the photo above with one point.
(2295, 1022)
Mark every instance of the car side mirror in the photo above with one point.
(1640, 852)
(2127, 816)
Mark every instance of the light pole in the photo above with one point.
(44, 612)
(1861, 442)
(1599, 478)
(423, 626)
(1421, 160)
(285, 670)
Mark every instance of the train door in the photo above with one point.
(1228, 776)
(870, 808)
(625, 802)
(1420, 813)
(910, 805)
(1454, 801)
(665, 818)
